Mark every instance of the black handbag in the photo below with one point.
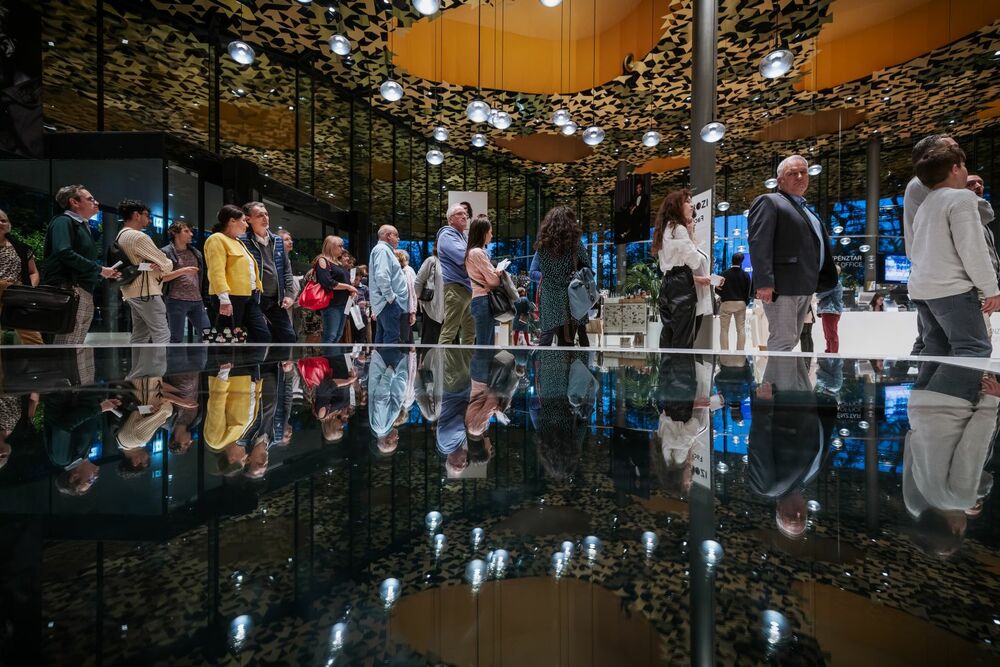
(44, 309)
(500, 302)
(427, 292)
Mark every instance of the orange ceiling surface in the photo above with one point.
(526, 47)
(866, 37)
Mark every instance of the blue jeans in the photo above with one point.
(180, 313)
(483, 318)
(388, 324)
(334, 318)
(953, 326)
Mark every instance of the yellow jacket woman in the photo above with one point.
(234, 277)
(231, 269)
(233, 409)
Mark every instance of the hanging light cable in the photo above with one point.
(478, 110)
(651, 138)
(498, 118)
(390, 89)
(240, 51)
(594, 135)
(778, 61)
(434, 155)
(440, 132)
(561, 116)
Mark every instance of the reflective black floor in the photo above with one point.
(245, 505)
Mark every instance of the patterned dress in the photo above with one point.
(556, 273)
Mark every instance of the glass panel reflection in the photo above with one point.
(436, 504)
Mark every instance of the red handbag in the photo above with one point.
(314, 296)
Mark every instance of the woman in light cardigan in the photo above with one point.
(234, 278)
(430, 325)
(484, 277)
(685, 293)
(407, 319)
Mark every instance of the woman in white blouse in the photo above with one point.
(685, 293)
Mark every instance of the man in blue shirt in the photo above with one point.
(451, 246)
(387, 286)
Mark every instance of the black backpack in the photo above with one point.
(129, 271)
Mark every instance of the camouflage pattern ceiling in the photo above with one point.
(948, 87)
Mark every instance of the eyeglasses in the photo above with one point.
(89, 198)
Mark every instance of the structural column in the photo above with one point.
(872, 197)
(704, 66)
(701, 500)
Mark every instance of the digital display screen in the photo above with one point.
(897, 269)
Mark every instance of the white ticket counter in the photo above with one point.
(863, 334)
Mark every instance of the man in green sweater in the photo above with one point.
(71, 256)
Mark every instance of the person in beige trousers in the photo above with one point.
(735, 295)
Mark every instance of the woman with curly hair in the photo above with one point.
(560, 254)
(685, 293)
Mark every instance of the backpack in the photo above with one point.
(116, 255)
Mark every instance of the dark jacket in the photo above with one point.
(736, 287)
(171, 252)
(282, 264)
(789, 438)
(784, 250)
(70, 255)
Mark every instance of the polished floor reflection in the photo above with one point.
(308, 506)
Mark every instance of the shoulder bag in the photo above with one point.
(314, 296)
(427, 293)
(582, 291)
(45, 309)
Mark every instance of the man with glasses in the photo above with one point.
(71, 256)
(275, 271)
(451, 247)
(144, 295)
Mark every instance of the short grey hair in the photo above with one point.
(783, 165)
(68, 192)
(926, 145)
(251, 205)
(453, 209)
(383, 231)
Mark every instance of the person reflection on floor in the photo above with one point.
(150, 404)
(560, 432)
(388, 376)
(493, 381)
(455, 394)
(734, 380)
(70, 424)
(953, 423)
(683, 395)
(233, 416)
(330, 384)
(430, 377)
(790, 429)
(16, 414)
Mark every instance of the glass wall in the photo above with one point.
(156, 78)
(152, 74)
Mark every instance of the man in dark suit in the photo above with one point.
(790, 254)
(790, 429)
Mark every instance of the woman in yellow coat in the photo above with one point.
(234, 277)
(233, 417)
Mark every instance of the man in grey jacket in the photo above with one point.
(951, 263)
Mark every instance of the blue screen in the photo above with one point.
(897, 269)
